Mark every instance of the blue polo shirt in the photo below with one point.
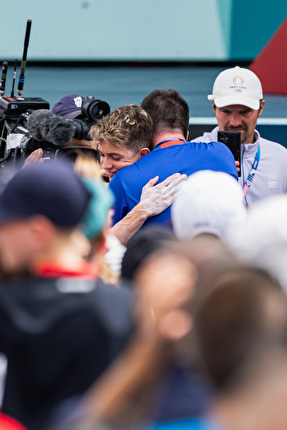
(165, 160)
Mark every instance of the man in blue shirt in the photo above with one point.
(171, 153)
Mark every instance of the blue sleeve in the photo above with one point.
(120, 205)
(226, 161)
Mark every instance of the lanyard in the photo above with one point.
(252, 172)
(170, 139)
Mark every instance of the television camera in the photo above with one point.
(27, 123)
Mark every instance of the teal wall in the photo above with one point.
(135, 30)
(253, 22)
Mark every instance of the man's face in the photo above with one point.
(114, 158)
(16, 249)
(238, 118)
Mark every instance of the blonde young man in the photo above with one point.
(237, 102)
(122, 138)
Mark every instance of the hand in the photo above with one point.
(156, 198)
(34, 157)
(237, 164)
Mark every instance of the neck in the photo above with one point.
(67, 251)
(172, 134)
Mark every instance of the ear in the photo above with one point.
(144, 151)
(262, 104)
(42, 230)
(99, 246)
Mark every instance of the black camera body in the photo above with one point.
(17, 138)
(12, 108)
(92, 111)
(12, 120)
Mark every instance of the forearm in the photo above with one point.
(130, 224)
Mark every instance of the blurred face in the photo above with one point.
(238, 118)
(114, 158)
(16, 248)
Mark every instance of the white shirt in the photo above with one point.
(271, 175)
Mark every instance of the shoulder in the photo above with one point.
(274, 146)
(207, 136)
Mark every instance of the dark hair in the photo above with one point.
(141, 246)
(168, 110)
(244, 313)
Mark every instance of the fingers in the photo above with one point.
(170, 179)
(151, 183)
(34, 157)
(175, 181)
(170, 190)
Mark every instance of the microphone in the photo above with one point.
(23, 63)
(14, 78)
(3, 78)
(44, 125)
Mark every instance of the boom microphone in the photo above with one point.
(44, 125)
(24, 57)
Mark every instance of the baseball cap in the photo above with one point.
(69, 106)
(262, 240)
(237, 86)
(207, 202)
(51, 189)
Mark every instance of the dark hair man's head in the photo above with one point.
(243, 315)
(168, 110)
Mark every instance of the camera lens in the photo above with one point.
(94, 109)
(98, 109)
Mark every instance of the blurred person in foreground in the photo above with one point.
(262, 240)
(208, 203)
(151, 381)
(236, 333)
(61, 326)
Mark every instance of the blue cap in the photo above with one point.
(51, 189)
(69, 106)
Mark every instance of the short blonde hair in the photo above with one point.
(128, 126)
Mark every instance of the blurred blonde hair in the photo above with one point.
(89, 168)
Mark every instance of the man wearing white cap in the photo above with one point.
(237, 102)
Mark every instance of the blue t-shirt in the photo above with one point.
(184, 157)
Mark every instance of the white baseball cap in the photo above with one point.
(262, 240)
(237, 86)
(208, 202)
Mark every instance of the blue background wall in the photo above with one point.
(135, 30)
(252, 24)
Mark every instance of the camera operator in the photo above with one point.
(44, 126)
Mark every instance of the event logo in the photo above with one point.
(238, 80)
(238, 84)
